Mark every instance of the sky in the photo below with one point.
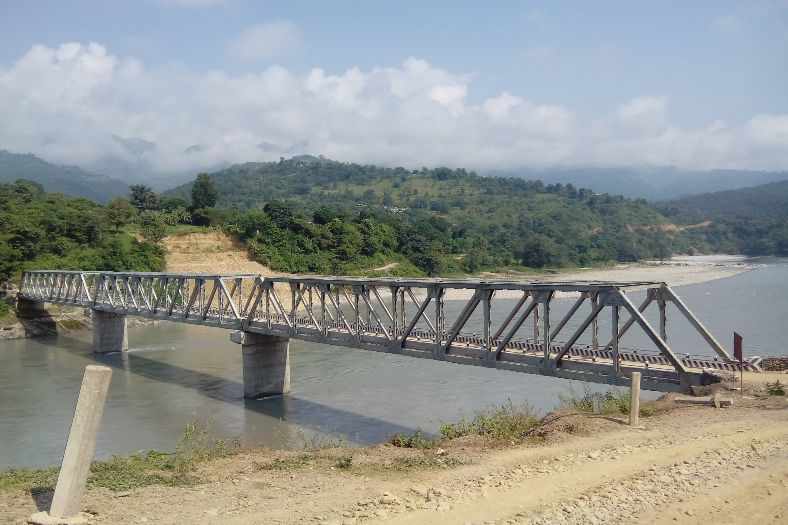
(485, 85)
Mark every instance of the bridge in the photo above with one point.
(400, 316)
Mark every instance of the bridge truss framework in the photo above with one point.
(409, 317)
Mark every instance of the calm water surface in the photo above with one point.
(175, 374)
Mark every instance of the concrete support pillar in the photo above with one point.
(109, 332)
(266, 363)
(27, 309)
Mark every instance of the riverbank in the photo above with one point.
(688, 462)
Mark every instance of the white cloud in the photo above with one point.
(266, 41)
(647, 114)
(67, 103)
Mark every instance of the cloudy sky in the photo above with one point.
(476, 84)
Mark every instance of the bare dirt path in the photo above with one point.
(687, 466)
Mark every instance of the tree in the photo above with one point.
(204, 192)
(119, 212)
(153, 226)
(143, 197)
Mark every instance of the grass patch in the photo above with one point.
(5, 308)
(425, 461)
(137, 470)
(71, 324)
(34, 480)
(505, 423)
(415, 440)
(344, 463)
(610, 402)
(775, 389)
(288, 463)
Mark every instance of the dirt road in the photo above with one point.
(695, 464)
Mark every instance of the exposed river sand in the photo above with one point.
(693, 464)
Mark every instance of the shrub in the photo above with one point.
(415, 440)
(775, 389)
(610, 402)
(345, 462)
(506, 422)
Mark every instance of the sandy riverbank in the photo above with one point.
(678, 271)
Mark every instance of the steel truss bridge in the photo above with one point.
(409, 317)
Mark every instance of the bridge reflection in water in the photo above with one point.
(402, 316)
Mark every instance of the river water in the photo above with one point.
(175, 374)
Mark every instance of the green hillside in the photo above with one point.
(68, 180)
(767, 201)
(752, 220)
(443, 220)
(45, 230)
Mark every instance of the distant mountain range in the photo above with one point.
(766, 201)
(656, 183)
(130, 164)
(69, 180)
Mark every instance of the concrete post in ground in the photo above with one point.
(109, 332)
(79, 450)
(634, 400)
(266, 363)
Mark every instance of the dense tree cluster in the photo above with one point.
(752, 221)
(441, 220)
(45, 230)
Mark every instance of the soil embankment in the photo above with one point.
(692, 464)
(210, 252)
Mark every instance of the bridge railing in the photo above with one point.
(406, 316)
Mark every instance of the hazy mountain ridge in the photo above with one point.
(69, 180)
(765, 201)
(652, 183)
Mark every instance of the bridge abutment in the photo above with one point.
(109, 332)
(266, 363)
(27, 309)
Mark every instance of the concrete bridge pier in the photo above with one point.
(109, 332)
(266, 363)
(27, 309)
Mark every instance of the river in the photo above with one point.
(175, 374)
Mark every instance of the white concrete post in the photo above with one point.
(634, 400)
(72, 479)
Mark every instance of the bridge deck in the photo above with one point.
(409, 317)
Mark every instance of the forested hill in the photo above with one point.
(752, 220)
(68, 180)
(767, 201)
(45, 230)
(463, 221)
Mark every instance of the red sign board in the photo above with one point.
(738, 352)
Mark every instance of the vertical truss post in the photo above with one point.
(614, 332)
(595, 322)
(545, 298)
(536, 324)
(663, 318)
(323, 289)
(294, 302)
(437, 351)
(395, 326)
(355, 292)
(486, 307)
